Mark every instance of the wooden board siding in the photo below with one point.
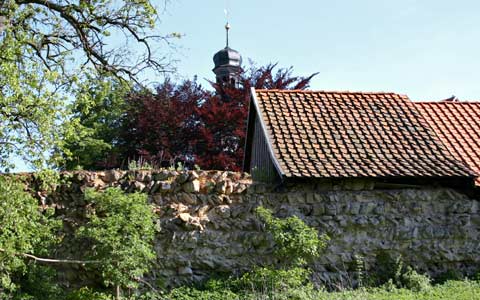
(261, 165)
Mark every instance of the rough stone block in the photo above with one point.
(165, 186)
(318, 209)
(192, 186)
(188, 198)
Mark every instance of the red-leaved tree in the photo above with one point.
(159, 126)
(220, 139)
(185, 123)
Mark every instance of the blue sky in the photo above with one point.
(426, 49)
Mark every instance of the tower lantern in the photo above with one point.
(228, 64)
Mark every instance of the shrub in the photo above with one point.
(394, 271)
(265, 279)
(120, 231)
(187, 293)
(24, 229)
(296, 242)
(87, 294)
(414, 281)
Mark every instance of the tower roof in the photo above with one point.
(227, 57)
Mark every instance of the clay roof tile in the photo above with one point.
(457, 124)
(356, 134)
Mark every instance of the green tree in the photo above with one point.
(46, 46)
(121, 231)
(26, 232)
(98, 113)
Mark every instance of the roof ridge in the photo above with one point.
(325, 91)
(447, 102)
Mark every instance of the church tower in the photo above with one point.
(228, 65)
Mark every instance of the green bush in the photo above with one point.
(119, 233)
(187, 293)
(414, 281)
(390, 271)
(296, 242)
(88, 294)
(24, 229)
(265, 279)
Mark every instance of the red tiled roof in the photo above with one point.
(348, 134)
(458, 126)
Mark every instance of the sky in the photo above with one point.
(426, 49)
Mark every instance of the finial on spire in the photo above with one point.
(228, 62)
(227, 28)
(227, 25)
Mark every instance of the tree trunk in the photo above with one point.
(118, 293)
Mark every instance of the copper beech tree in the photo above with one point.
(220, 139)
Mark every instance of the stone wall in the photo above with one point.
(208, 226)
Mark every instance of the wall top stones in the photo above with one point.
(149, 181)
(167, 181)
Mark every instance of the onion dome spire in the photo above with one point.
(228, 64)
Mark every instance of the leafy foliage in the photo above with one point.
(28, 111)
(87, 294)
(54, 32)
(458, 290)
(24, 230)
(99, 111)
(178, 122)
(262, 279)
(121, 231)
(461, 290)
(296, 242)
(37, 282)
(393, 271)
(414, 281)
(188, 293)
(222, 130)
(46, 47)
(160, 126)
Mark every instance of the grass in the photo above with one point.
(450, 290)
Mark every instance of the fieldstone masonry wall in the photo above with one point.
(208, 225)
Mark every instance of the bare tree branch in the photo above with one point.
(55, 261)
(88, 32)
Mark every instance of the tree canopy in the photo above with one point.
(175, 123)
(46, 46)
